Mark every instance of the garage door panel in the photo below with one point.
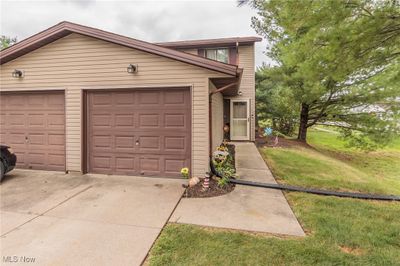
(37, 120)
(149, 120)
(175, 98)
(175, 143)
(56, 160)
(171, 165)
(147, 98)
(175, 121)
(123, 143)
(149, 143)
(101, 120)
(54, 101)
(56, 140)
(143, 132)
(101, 162)
(59, 149)
(13, 138)
(101, 99)
(125, 164)
(14, 100)
(150, 165)
(124, 120)
(33, 124)
(15, 120)
(36, 100)
(102, 142)
(37, 140)
(55, 121)
(124, 98)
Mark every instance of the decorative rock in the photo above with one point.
(193, 181)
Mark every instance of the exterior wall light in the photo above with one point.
(132, 68)
(18, 73)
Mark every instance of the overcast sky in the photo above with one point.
(152, 21)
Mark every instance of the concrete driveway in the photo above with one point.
(58, 219)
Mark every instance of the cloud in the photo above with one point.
(153, 21)
(81, 3)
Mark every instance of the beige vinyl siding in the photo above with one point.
(217, 118)
(77, 62)
(247, 86)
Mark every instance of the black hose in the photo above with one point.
(317, 191)
(309, 190)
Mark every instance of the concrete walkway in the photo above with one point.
(58, 219)
(246, 208)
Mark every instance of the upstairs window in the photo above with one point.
(221, 55)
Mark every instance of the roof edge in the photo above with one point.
(65, 28)
(232, 41)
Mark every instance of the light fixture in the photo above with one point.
(240, 93)
(18, 73)
(132, 68)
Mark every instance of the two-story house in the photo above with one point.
(75, 98)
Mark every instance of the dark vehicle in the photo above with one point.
(7, 160)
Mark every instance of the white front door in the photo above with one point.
(240, 120)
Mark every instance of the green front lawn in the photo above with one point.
(340, 231)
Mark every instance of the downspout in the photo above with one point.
(237, 53)
(210, 124)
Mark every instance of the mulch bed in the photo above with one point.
(213, 191)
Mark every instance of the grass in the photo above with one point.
(329, 164)
(340, 231)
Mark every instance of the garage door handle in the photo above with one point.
(137, 143)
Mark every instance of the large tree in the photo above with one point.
(341, 59)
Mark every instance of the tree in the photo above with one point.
(275, 101)
(342, 62)
(6, 41)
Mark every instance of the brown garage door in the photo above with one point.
(33, 125)
(139, 132)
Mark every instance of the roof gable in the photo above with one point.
(65, 28)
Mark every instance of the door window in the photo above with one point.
(240, 120)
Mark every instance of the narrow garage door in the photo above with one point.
(32, 124)
(139, 132)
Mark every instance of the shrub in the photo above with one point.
(223, 164)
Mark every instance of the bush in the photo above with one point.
(222, 160)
